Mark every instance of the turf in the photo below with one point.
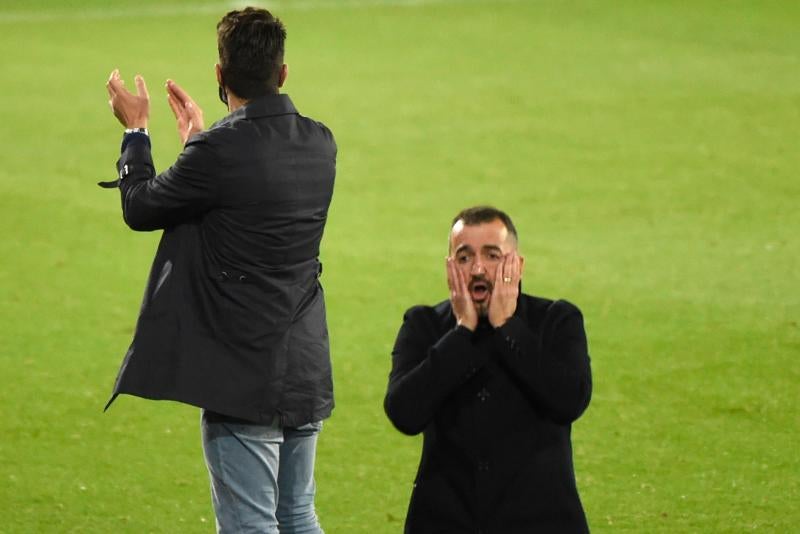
(646, 150)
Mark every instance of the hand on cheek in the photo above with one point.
(460, 299)
(503, 301)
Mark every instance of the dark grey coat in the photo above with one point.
(233, 315)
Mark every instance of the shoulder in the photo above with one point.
(228, 139)
(213, 138)
(316, 124)
(318, 128)
(423, 325)
(434, 318)
(439, 310)
(539, 310)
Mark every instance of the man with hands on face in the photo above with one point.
(233, 317)
(493, 378)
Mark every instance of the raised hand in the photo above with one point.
(503, 301)
(460, 299)
(188, 116)
(132, 111)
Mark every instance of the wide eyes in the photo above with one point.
(489, 256)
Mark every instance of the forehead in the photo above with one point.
(477, 236)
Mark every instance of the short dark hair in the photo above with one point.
(485, 214)
(251, 43)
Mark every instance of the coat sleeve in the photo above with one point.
(425, 370)
(551, 366)
(185, 190)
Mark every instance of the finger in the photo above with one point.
(499, 274)
(110, 84)
(116, 84)
(141, 87)
(196, 114)
(171, 90)
(515, 273)
(174, 106)
(452, 278)
(178, 91)
(191, 110)
(462, 282)
(449, 274)
(509, 268)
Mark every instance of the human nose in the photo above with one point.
(477, 267)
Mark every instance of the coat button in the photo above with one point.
(224, 275)
(483, 466)
(484, 394)
(242, 277)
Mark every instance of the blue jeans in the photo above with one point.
(262, 477)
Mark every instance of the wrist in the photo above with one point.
(469, 325)
(139, 123)
(497, 323)
(132, 130)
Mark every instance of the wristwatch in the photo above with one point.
(137, 130)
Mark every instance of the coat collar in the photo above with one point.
(265, 106)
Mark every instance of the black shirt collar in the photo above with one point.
(265, 106)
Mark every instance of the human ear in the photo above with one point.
(284, 73)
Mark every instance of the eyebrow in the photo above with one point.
(485, 248)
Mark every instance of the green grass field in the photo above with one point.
(647, 151)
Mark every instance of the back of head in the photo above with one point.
(485, 214)
(251, 44)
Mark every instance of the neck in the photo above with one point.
(234, 102)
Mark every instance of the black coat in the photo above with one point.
(233, 316)
(495, 407)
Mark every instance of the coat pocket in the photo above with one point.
(248, 309)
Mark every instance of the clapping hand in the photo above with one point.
(132, 111)
(188, 115)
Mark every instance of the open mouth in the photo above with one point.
(479, 290)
